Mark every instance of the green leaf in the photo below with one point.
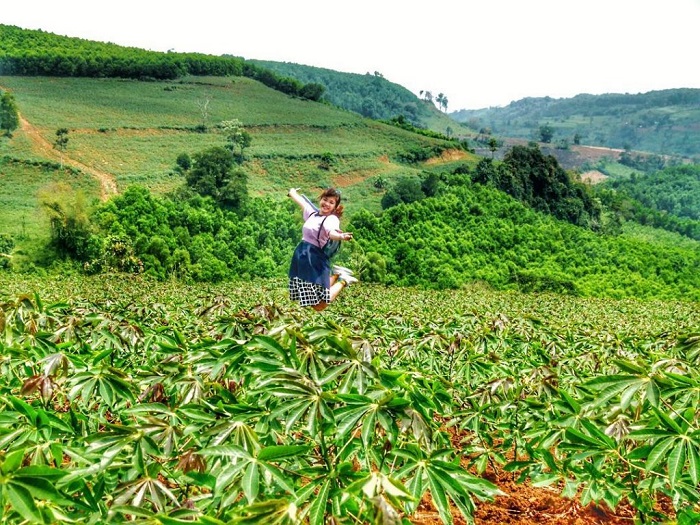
(283, 481)
(649, 433)
(570, 488)
(41, 489)
(439, 497)
(22, 501)
(693, 462)
(578, 437)
(603, 439)
(272, 346)
(629, 366)
(13, 460)
(368, 428)
(544, 480)
(282, 451)
(658, 453)
(667, 421)
(653, 394)
(251, 482)
(676, 461)
(23, 408)
(230, 451)
(317, 511)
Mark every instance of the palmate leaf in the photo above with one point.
(272, 347)
(270, 512)
(347, 417)
(249, 470)
(146, 489)
(439, 497)
(446, 480)
(613, 385)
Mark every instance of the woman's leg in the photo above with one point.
(336, 286)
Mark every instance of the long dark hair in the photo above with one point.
(332, 192)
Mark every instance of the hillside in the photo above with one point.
(371, 95)
(156, 121)
(659, 122)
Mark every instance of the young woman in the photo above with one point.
(312, 280)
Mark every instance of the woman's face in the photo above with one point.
(328, 205)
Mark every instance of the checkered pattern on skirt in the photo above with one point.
(308, 294)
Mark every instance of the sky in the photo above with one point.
(478, 54)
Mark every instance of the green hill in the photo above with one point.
(371, 95)
(659, 122)
(156, 121)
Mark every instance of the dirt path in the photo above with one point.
(108, 186)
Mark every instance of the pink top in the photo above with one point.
(312, 221)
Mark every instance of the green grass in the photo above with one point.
(51, 103)
(658, 236)
(20, 213)
(615, 170)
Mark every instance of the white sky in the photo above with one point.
(477, 53)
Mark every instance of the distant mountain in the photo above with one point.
(663, 122)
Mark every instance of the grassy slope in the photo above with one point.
(134, 131)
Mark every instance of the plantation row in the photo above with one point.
(127, 400)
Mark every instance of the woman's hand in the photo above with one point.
(292, 192)
(345, 236)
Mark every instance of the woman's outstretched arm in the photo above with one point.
(293, 193)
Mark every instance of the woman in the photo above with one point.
(312, 281)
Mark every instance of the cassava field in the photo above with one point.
(127, 400)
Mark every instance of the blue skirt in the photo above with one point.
(309, 275)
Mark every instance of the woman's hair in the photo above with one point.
(332, 192)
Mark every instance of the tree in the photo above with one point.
(407, 189)
(442, 101)
(312, 91)
(61, 142)
(493, 145)
(6, 247)
(211, 175)
(234, 194)
(69, 219)
(439, 100)
(546, 133)
(236, 136)
(183, 163)
(9, 116)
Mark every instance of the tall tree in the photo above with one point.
(9, 116)
(438, 99)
